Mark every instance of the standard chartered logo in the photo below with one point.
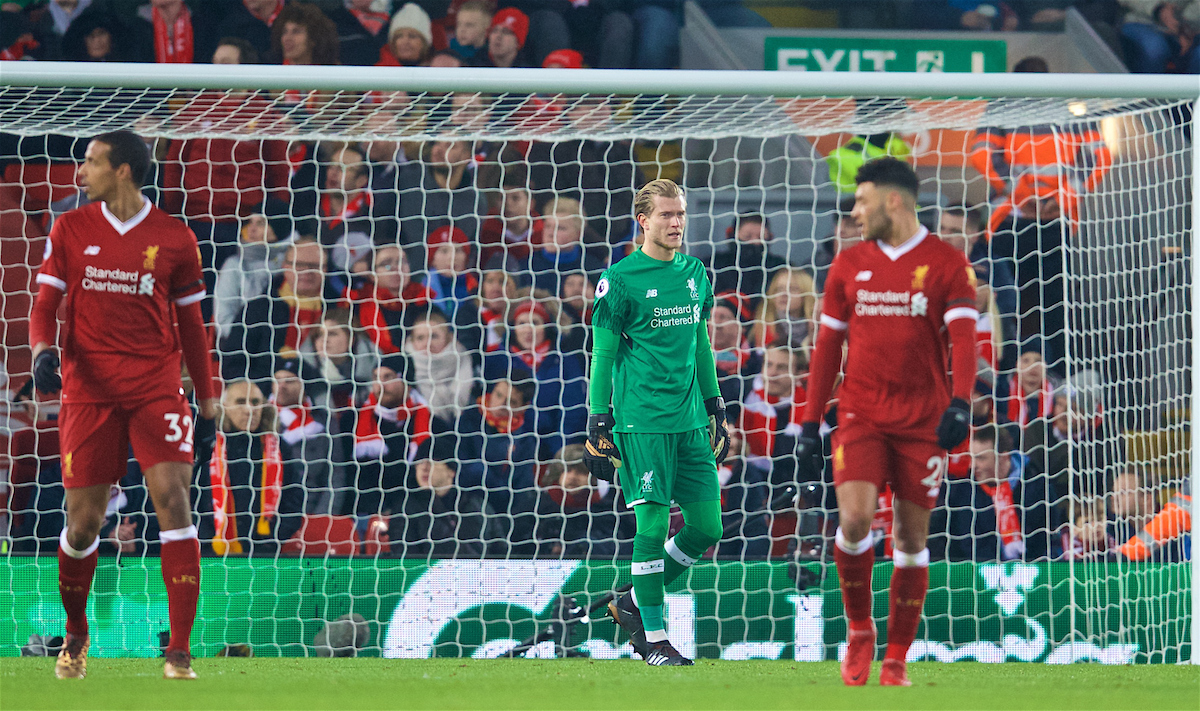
(671, 316)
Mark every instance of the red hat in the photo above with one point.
(737, 303)
(446, 234)
(527, 307)
(564, 58)
(514, 21)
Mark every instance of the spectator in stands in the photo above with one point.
(497, 292)
(347, 205)
(383, 298)
(276, 323)
(448, 251)
(17, 39)
(573, 310)
(999, 513)
(471, 24)
(962, 227)
(51, 27)
(508, 232)
(391, 425)
(506, 38)
(965, 15)
(1030, 388)
(439, 518)
(303, 35)
(773, 410)
(1131, 505)
(181, 32)
(563, 59)
(234, 50)
(443, 372)
(497, 451)
(745, 495)
(579, 516)
(745, 264)
(561, 391)
(99, 35)
(736, 361)
(563, 247)
(253, 21)
(257, 495)
(1088, 537)
(605, 173)
(1161, 36)
(248, 273)
(409, 40)
(303, 433)
(846, 233)
(786, 315)
(338, 364)
(1072, 441)
(359, 32)
(440, 189)
(1167, 534)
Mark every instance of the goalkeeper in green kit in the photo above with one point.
(664, 432)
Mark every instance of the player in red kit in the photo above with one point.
(905, 303)
(129, 273)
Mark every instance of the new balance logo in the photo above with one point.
(92, 250)
(651, 293)
(864, 275)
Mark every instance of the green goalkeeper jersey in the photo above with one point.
(656, 308)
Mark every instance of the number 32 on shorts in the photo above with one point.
(179, 427)
(936, 467)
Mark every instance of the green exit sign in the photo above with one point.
(877, 54)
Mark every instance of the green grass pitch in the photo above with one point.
(272, 683)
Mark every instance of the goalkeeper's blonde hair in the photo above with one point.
(643, 203)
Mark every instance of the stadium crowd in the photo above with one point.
(401, 328)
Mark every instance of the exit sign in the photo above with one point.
(877, 54)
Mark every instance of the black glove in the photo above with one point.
(600, 453)
(204, 436)
(45, 372)
(810, 454)
(718, 433)
(955, 424)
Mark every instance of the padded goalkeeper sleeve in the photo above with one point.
(604, 351)
(43, 320)
(964, 358)
(194, 340)
(823, 371)
(706, 366)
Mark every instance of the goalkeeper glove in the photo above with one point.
(600, 453)
(810, 455)
(955, 424)
(718, 433)
(45, 372)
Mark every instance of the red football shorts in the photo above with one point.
(913, 467)
(96, 437)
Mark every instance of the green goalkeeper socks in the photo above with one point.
(701, 530)
(648, 562)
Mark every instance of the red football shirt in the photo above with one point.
(894, 303)
(120, 343)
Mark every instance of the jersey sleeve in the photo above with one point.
(53, 271)
(187, 282)
(707, 306)
(612, 303)
(960, 291)
(835, 310)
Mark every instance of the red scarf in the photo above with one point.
(1018, 404)
(358, 205)
(502, 426)
(534, 358)
(299, 423)
(23, 46)
(224, 515)
(173, 45)
(369, 442)
(1008, 523)
(761, 412)
(373, 22)
(300, 323)
(274, 13)
(577, 499)
(371, 303)
(493, 329)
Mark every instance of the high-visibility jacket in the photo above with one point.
(1039, 161)
(845, 160)
(1173, 521)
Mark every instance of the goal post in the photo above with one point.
(1119, 275)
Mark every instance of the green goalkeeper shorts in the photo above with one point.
(661, 468)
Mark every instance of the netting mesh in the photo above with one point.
(407, 281)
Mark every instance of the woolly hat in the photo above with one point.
(446, 234)
(527, 307)
(412, 17)
(564, 59)
(400, 364)
(514, 21)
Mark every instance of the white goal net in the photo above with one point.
(400, 293)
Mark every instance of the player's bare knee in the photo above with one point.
(854, 528)
(82, 531)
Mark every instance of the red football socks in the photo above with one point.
(75, 572)
(910, 581)
(181, 573)
(854, 575)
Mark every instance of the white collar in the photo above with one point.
(124, 227)
(894, 253)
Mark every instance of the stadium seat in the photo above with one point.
(376, 541)
(323, 535)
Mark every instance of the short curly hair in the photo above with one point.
(322, 33)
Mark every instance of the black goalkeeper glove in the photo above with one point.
(204, 436)
(955, 424)
(810, 454)
(600, 453)
(718, 432)
(45, 372)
